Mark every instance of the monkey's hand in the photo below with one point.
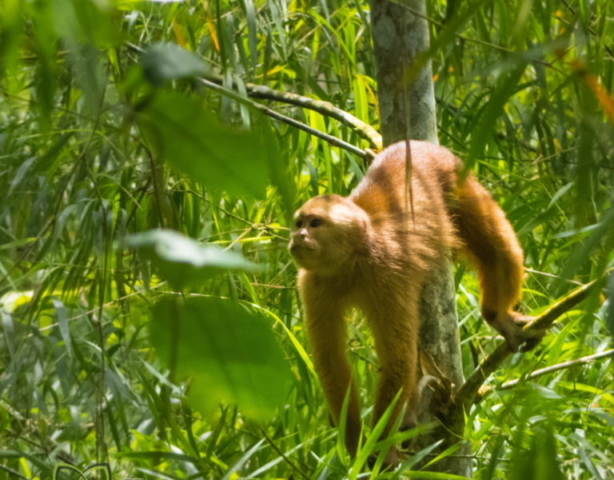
(510, 325)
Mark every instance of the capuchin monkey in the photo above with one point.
(375, 249)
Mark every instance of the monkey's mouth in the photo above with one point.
(297, 249)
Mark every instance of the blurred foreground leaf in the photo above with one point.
(183, 261)
(191, 139)
(227, 348)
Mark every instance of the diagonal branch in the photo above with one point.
(334, 141)
(553, 368)
(325, 108)
(468, 393)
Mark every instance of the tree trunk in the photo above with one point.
(407, 110)
(406, 96)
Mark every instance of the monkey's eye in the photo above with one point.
(316, 222)
(299, 223)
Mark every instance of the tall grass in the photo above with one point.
(524, 97)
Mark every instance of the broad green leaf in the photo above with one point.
(227, 348)
(191, 139)
(162, 62)
(183, 261)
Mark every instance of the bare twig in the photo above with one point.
(468, 393)
(553, 368)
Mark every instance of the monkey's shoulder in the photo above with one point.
(425, 157)
(383, 189)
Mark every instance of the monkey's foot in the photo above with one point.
(530, 338)
(510, 325)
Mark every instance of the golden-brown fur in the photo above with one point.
(366, 251)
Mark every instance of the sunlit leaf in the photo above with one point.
(183, 261)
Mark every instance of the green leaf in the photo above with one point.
(191, 139)
(162, 62)
(507, 87)
(183, 261)
(60, 311)
(243, 460)
(21, 173)
(227, 348)
(8, 331)
(250, 11)
(610, 317)
(543, 456)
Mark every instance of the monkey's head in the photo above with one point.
(329, 232)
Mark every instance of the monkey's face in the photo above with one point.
(328, 232)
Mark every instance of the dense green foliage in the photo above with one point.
(99, 141)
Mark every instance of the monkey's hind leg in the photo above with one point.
(491, 242)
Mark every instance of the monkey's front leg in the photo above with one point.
(395, 329)
(327, 332)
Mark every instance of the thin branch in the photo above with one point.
(334, 141)
(468, 393)
(543, 371)
(275, 115)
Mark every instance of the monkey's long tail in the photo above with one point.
(490, 241)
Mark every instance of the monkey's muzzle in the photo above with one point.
(299, 247)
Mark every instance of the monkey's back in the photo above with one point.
(383, 194)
